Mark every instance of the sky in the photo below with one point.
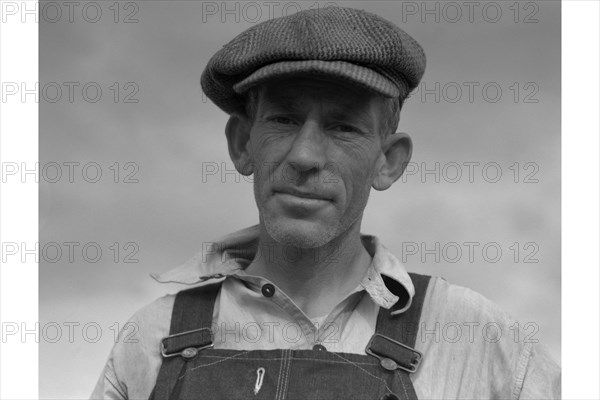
(145, 176)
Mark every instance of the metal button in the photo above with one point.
(190, 352)
(388, 364)
(319, 347)
(268, 290)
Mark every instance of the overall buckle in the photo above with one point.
(186, 344)
(393, 355)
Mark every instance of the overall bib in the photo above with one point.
(192, 369)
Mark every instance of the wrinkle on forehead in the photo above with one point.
(338, 100)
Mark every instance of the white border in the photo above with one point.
(580, 201)
(580, 180)
(19, 201)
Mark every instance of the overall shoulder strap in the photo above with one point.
(404, 327)
(190, 331)
(395, 335)
(193, 308)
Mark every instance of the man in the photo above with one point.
(303, 306)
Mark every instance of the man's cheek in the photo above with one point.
(264, 173)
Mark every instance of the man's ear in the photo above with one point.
(396, 153)
(237, 131)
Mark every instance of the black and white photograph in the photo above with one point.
(296, 200)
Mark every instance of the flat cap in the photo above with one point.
(342, 43)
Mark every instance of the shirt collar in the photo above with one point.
(231, 254)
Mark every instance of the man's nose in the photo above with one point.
(308, 148)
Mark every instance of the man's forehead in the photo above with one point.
(298, 92)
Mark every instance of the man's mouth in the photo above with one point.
(302, 194)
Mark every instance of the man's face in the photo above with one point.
(314, 146)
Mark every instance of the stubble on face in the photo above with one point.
(351, 155)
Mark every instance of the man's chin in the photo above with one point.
(303, 234)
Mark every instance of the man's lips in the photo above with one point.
(302, 194)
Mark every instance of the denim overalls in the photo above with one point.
(192, 369)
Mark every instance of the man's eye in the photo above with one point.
(282, 120)
(345, 128)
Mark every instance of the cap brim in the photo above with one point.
(361, 76)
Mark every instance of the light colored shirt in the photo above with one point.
(471, 348)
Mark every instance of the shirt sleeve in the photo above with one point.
(538, 376)
(474, 349)
(108, 386)
(135, 359)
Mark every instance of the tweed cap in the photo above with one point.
(342, 43)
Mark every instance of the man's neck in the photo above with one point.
(316, 279)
